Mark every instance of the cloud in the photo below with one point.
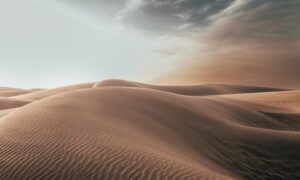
(156, 17)
(165, 16)
(131, 5)
(236, 41)
(249, 42)
(259, 21)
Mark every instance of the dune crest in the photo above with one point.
(126, 130)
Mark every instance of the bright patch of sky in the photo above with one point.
(48, 44)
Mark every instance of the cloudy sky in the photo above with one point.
(48, 43)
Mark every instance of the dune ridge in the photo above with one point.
(191, 90)
(125, 130)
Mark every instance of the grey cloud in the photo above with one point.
(260, 20)
(250, 42)
(166, 16)
(252, 18)
(155, 16)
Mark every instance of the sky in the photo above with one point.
(50, 43)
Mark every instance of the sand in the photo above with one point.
(125, 130)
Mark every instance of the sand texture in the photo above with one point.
(126, 130)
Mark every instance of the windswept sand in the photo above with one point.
(125, 130)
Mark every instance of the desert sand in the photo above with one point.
(118, 129)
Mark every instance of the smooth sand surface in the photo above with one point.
(126, 130)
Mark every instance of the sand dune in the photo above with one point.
(40, 94)
(8, 103)
(192, 90)
(8, 92)
(8, 89)
(125, 130)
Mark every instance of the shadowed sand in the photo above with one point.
(126, 130)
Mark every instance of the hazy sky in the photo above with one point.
(47, 43)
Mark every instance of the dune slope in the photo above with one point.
(121, 132)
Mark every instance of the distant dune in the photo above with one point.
(191, 90)
(118, 129)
